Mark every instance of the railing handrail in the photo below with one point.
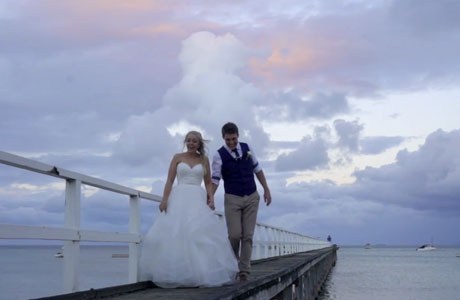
(274, 240)
(55, 171)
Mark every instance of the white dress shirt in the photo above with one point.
(217, 162)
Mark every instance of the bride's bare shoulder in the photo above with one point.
(178, 157)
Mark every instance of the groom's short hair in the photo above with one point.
(229, 128)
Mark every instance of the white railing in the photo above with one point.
(269, 241)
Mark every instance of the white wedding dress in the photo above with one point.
(188, 245)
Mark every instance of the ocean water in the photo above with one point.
(394, 273)
(378, 273)
(33, 271)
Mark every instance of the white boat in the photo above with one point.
(426, 247)
(367, 246)
(59, 255)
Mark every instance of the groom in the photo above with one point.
(236, 164)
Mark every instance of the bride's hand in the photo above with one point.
(163, 206)
(211, 204)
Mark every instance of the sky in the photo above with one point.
(350, 106)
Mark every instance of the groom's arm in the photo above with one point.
(214, 188)
(216, 171)
(261, 177)
(267, 195)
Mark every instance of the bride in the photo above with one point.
(187, 246)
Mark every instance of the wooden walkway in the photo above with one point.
(296, 276)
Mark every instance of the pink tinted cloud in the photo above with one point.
(295, 58)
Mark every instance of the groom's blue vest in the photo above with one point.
(238, 174)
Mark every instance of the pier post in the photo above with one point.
(287, 293)
(72, 248)
(300, 290)
(273, 251)
(265, 241)
(134, 227)
(256, 253)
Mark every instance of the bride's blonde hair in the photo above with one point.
(201, 148)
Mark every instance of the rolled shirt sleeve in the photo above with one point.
(216, 168)
(255, 162)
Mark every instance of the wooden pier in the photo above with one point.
(296, 276)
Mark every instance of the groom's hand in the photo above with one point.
(267, 197)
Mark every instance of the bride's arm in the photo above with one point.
(208, 185)
(169, 183)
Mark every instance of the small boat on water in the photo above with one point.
(426, 247)
(120, 255)
(59, 255)
(367, 246)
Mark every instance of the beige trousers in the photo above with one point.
(241, 215)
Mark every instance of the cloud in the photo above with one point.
(311, 154)
(422, 17)
(378, 144)
(348, 133)
(333, 52)
(314, 153)
(208, 90)
(204, 53)
(324, 105)
(425, 179)
(397, 203)
(145, 138)
(318, 208)
(421, 185)
(293, 107)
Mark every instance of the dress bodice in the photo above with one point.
(189, 175)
